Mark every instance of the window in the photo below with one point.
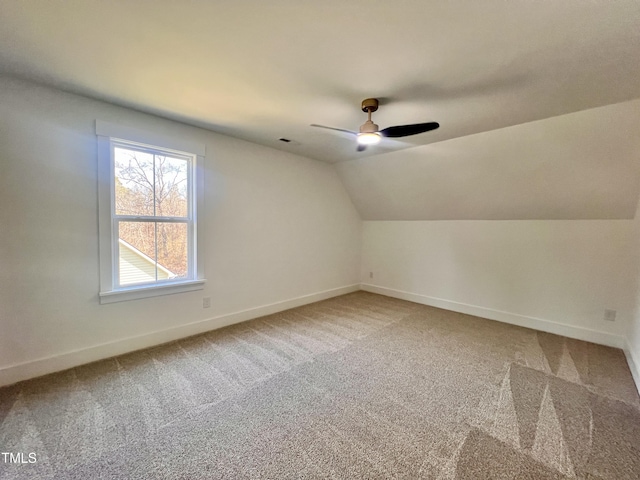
(149, 191)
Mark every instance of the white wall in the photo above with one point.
(278, 227)
(557, 276)
(633, 335)
(633, 349)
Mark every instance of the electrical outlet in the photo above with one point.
(206, 302)
(609, 315)
(370, 274)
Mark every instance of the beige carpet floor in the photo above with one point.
(358, 386)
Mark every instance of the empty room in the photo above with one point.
(326, 239)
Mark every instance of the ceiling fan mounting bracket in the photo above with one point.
(370, 105)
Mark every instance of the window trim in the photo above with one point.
(109, 134)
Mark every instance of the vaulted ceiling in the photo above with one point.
(583, 165)
(261, 71)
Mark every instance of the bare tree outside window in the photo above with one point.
(152, 185)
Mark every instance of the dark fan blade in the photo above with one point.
(361, 148)
(336, 129)
(406, 130)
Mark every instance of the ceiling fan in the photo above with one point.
(370, 133)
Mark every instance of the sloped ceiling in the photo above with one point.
(265, 70)
(583, 165)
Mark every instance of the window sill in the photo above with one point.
(138, 292)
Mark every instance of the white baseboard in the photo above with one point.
(580, 333)
(74, 358)
(634, 362)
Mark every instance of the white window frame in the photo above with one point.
(110, 136)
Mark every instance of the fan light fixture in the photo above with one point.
(369, 138)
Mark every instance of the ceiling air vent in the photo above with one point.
(289, 141)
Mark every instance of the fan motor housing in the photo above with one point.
(369, 127)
